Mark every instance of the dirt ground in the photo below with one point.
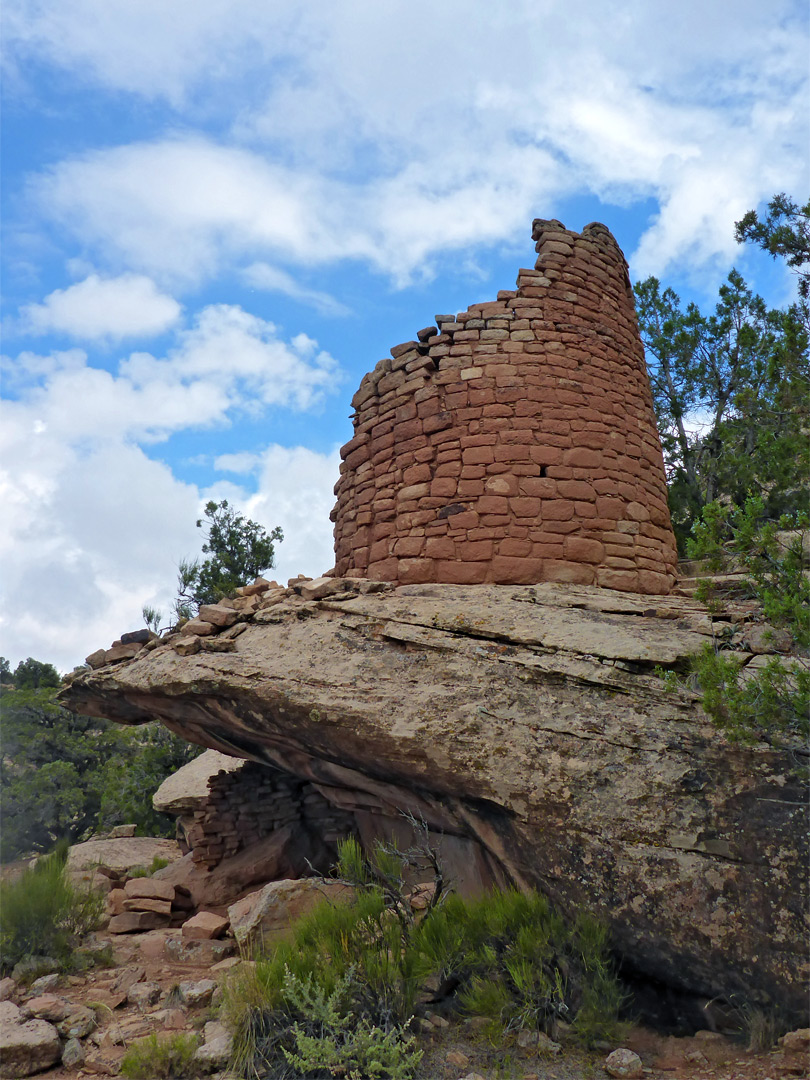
(449, 1053)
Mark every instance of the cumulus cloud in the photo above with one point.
(97, 308)
(295, 491)
(395, 147)
(93, 527)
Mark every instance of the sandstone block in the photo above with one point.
(27, 1048)
(122, 652)
(205, 925)
(218, 615)
(197, 627)
(149, 889)
(143, 903)
(268, 914)
(131, 922)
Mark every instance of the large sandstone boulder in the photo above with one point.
(187, 788)
(266, 916)
(528, 723)
(121, 855)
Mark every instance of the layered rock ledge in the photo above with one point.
(528, 726)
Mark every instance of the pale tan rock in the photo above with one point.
(122, 652)
(625, 1064)
(97, 659)
(796, 1042)
(205, 925)
(26, 1047)
(119, 856)
(187, 646)
(121, 832)
(187, 788)
(197, 628)
(149, 889)
(218, 615)
(321, 587)
(529, 722)
(144, 903)
(268, 914)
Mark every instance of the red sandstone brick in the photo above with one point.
(384, 570)
(478, 455)
(557, 510)
(492, 504)
(440, 547)
(416, 571)
(469, 489)
(511, 570)
(581, 458)
(463, 522)
(524, 507)
(462, 573)
(576, 489)
(473, 550)
(443, 485)
(515, 548)
(416, 474)
(578, 549)
(409, 547)
(571, 572)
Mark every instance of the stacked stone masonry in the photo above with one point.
(514, 442)
(247, 805)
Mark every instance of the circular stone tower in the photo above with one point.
(514, 442)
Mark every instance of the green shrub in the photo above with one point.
(361, 967)
(166, 1058)
(42, 913)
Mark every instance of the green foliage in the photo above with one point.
(64, 775)
(731, 393)
(511, 956)
(33, 674)
(164, 1057)
(238, 550)
(784, 233)
(331, 1040)
(773, 702)
(41, 913)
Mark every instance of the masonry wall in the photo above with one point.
(514, 442)
(247, 805)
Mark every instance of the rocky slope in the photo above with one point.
(527, 725)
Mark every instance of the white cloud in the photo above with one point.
(271, 279)
(295, 491)
(355, 133)
(126, 306)
(93, 527)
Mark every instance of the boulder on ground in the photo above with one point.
(624, 1065)
(267, 915)
(26, 1047)
(204, 926)
(121, 856)
(529, 722)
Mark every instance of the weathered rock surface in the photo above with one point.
(527, 723)
(120, 855)
(266, 916)
(185, 789)
(26, 1047)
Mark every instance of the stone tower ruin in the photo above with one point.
(514, 442)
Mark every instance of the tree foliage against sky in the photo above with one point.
(237, 549)
(732, 389)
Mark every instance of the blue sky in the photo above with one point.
(218, 214)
